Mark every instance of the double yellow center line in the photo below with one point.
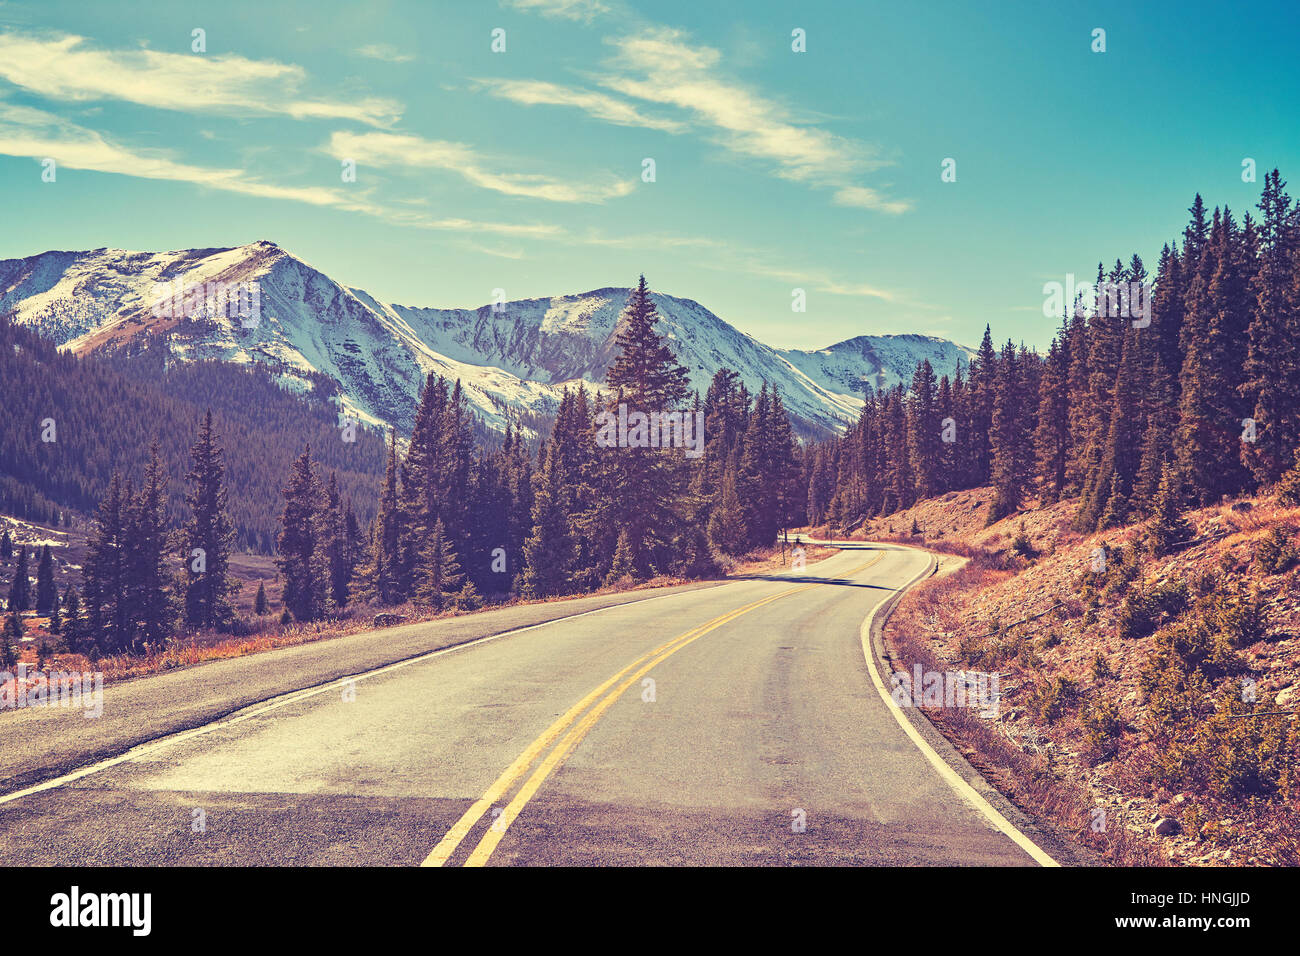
(577, 726)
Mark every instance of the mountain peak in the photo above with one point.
(513, 362)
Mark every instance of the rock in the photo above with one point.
(388, 620)
(1181, 798)
(1167, 826)
(1288, 696)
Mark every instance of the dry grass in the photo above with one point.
(970, 619)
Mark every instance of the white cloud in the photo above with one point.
(659, 65)
(65, 68)
(860, 290)
(400, 149)
(584, 10)
(600, 105)
(865, 198)
(385, 52)
(33, 133)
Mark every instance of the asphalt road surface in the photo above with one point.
(733, 725)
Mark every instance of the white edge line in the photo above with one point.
(953, 779)
(294, 697)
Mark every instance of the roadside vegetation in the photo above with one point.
(1148, 700)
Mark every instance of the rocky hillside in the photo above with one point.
(1157, 695)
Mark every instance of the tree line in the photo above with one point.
(1203, 397)
(106, 410)
(458, 519)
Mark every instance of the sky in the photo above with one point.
(523, 168)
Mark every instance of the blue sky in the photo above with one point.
(775, 170)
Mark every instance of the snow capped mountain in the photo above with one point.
(511, 358)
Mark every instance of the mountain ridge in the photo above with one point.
(513, 357)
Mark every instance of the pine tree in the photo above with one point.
(1052, 438)
(983, 393)
(783, 467)
(1211, 412)
(148, 587)
(752, 480)
(1107, 496)
(1105, 351)
(382, 573)
(335, 544)
(648, 483)
(456, 447)
(1011, 446)
(519, 490)
(621, 566)
(727, 530)
(900, 489)
(1076, 465)
(1274, 333)
(302, 558)
(423, 493)
(20, 591)
(1167, 527)
(442, 575)
(948, 456)
(924, 432)
(11, 640)
(47, 594)
(548, 552)
(820, 488)
(645, 372)
(209, 530)
(259, 602)
(353, 543)
(74, 627)
(6, 545)
(106, 572)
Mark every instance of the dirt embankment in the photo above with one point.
(1148, 701)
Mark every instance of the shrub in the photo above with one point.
(1238, 616)
(1276, 552)
(1121, 571)
(1144, 610)
(1243, 756)
(1101, 668)
(1170, 597)
(1058, 696)
(1137, 616)
(468, 598)
(1288, 489)
(1103, 728)
(1022, 546)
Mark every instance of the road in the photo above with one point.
(729, 725)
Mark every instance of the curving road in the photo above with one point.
(736, 724)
